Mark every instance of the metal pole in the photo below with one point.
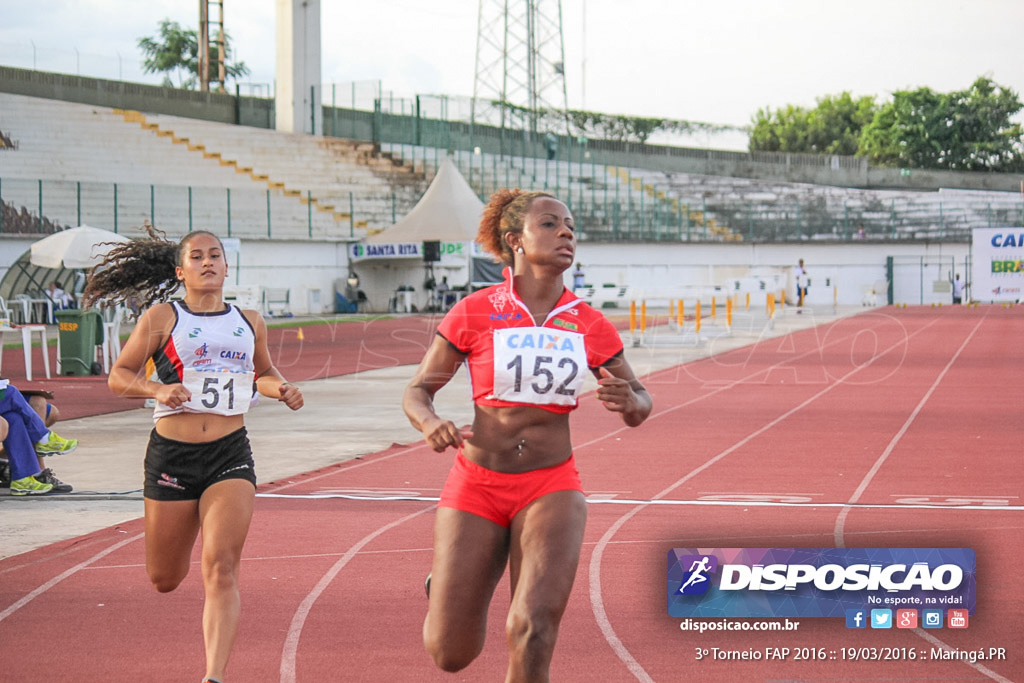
(78, 201)
(229, 211)
(190, 208)
(268, 212)
(115, 207)
(152, 205)
(309, 211)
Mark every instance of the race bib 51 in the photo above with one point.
(223, 393)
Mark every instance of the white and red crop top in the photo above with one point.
(212, 355)
(514, 361)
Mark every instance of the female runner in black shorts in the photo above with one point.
(209, 357)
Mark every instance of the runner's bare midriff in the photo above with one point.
(519, 438)
(199, 427)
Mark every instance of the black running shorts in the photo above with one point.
(181, 470)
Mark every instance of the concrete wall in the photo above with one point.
(208, 106)
(840, 273)
(308, 269)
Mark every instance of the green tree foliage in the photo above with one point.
(967, 130)
(833, 127)
(174, 51)
(619, 127)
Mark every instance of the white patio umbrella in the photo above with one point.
(81, 247)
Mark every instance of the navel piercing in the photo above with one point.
(519, 448)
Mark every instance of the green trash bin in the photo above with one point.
(80, 333)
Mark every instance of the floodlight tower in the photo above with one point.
(204, 45)
(520, 67)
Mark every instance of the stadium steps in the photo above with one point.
(132, 116)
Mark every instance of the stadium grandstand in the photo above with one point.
(119, 155)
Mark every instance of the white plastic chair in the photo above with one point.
(5, 312)
(111, 347)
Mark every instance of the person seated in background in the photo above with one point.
(441, 294)
(59, 297)
(27, 438)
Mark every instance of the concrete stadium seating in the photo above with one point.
(77, 162)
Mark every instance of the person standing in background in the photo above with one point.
(579, 280)
(801, 284)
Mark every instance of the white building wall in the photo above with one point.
(838, 272)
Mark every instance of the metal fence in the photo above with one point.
(122, 207)
(612, 203)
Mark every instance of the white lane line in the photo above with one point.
(866, 481)
(29, 597)
(596, 602)
(291, 641)
(670, 501)
(844, 513)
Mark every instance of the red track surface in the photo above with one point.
(891, 408)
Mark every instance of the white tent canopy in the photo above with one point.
(449, 211)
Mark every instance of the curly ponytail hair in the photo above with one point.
(141, 268)
(504, 214)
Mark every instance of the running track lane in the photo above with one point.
(328, 349)
(769, 421)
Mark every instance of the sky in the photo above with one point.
(714, 61)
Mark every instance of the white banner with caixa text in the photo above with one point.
(998, 264)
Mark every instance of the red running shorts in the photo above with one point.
(500, 496)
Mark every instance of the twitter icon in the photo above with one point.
(881, 618)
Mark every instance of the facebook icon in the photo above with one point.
(856, 618)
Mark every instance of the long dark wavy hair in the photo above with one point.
(142, 269)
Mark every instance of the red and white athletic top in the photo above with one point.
(212, 355)
(514, 361)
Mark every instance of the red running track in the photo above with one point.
(327, 349)
(895, 428)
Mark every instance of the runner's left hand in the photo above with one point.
(291, 396)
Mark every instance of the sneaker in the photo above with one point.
(48, 477)
(55, 445)
(29, 486)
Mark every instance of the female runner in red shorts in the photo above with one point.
(210, 357)
(514, 496)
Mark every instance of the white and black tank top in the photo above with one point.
(212, 355)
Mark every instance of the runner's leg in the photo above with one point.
(171, 529)
(225, 511)
(469, 558)
(545, 551)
